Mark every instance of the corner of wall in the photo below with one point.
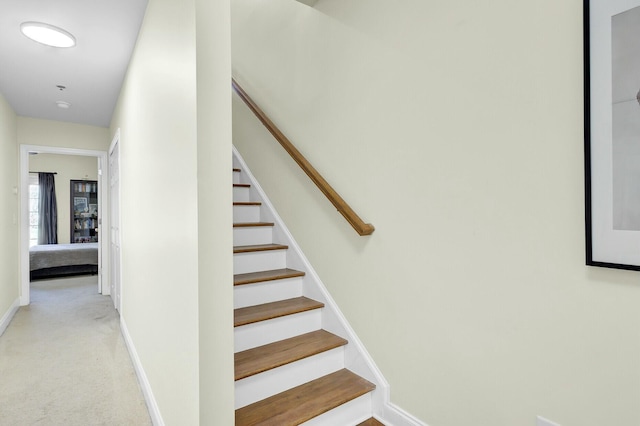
(9, 209)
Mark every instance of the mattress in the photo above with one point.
(60, 255)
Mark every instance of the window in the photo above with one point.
(34, 200)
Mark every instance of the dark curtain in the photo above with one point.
(47, 210)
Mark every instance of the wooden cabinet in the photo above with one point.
(84, 211)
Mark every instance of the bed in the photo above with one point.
(59, 260)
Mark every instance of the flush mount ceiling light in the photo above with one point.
(47, 34)
(63, 104)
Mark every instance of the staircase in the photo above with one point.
(288, 369)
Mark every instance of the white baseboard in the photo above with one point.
(393, 415)
(541, 421)
(152, 405)
(8, 316)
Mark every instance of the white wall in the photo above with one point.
(456, 129)
(67, 167)
(9, 284)
(160, 146)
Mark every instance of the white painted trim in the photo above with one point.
(103, 260)
(152, 405)
(541, 421)
(359, 361)
(114, 142)
(8, 316)
(392, 415)
(24, 225)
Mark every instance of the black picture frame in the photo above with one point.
(612, 199)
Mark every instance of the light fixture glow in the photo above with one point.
(47, 34)
(63, 104)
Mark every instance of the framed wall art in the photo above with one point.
(612, 132)
(80, 204)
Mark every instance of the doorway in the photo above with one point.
(103, 179)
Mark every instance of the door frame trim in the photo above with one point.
(114, 142)
(103, 179)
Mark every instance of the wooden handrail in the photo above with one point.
(339, 203)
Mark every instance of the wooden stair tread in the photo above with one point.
(249, 224)
(264, 358)
(247, 203)
(241, 185)
(371, 422)
(267, 311)
(256, 277)
(304, 402)
(259, 247)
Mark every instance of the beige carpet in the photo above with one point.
(63, 361)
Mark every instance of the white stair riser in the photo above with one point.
(351, 413)
(240, 194)
(244, 263)
(264, 385)
(266, 292)
(246, 214)
(246, 337)
(263, 332)
(246, 236)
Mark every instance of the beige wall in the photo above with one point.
(9, 285)
(456, 129)
(34, 131)
(67, 167)
(159, 147)
(215, 233)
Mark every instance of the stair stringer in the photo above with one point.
(357, 359)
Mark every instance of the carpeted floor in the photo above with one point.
(63, 361)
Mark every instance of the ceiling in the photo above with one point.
(92, 71)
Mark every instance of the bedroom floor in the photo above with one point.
(63, 361)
